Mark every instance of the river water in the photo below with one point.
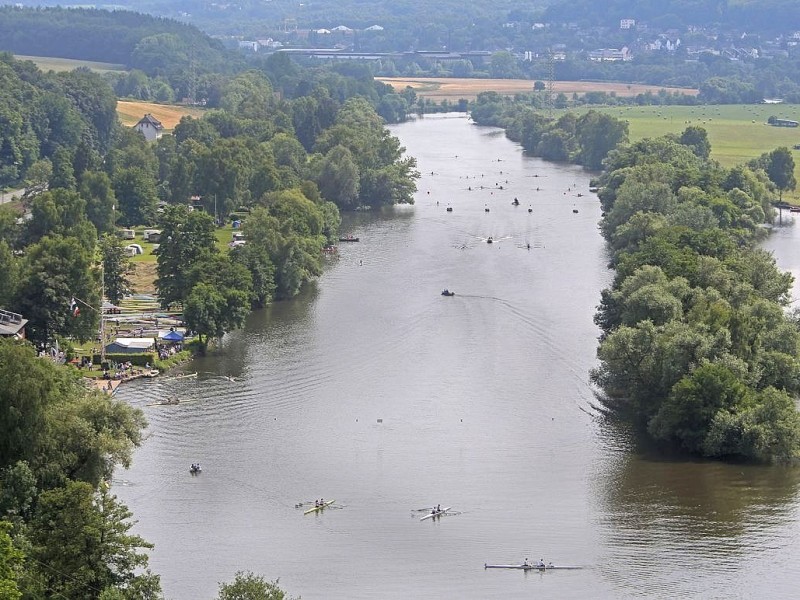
(375, 390)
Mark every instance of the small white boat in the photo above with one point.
(534, 567)
(436, 513)
(320, 507)
(186, 375)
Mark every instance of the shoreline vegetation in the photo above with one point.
(245, 199)
(697, 350)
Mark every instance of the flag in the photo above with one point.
(74, 308)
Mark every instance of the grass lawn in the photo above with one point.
(737, 132)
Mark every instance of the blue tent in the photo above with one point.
(172, 336)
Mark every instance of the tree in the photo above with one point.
(503, 65)
(97, 191)
(598, 134)
(686, 415)
(11, 561)
(186, 238)
(9, 274)
(83, 538)
(697, 139)
(248, 586)
(780, 169)
(212, 310)
(136, 191)
(116, 268)
(55, 270)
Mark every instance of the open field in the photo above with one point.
(130, 112)
(453, 89)
(737, 132)
(50, 63)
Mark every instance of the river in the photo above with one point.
(375, 390)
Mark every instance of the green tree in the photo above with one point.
(135, 189)
(780, 169)
(503, 65)
(688, 412)
(212, 310)
(82, 537)
(63, 172)
(97, 191)
(697, 139)
(598, 134)
(116, 268)
(248, 586)
(9, 275)
(187, 238)
(55, 270)
(11, 561)
(338, 178)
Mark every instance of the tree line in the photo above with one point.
(284, 166)
(697, 349)
(584, 140)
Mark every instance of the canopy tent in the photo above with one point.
(172, 336)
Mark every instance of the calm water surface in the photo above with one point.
(375, 390)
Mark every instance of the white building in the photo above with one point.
(627, 23)
(150, 127)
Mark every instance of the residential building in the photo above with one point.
(12, 324)
(150, 127)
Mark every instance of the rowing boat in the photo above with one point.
(320, 507)
(438, 513)
(532, 567)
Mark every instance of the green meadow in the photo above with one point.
(738, 132)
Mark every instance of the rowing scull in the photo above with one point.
(320, 507)
(438, 513)
(532, 567)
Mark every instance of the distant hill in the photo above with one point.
(747, 15)
(156, 46)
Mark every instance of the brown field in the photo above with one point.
(454, 89)
(143, 278)
(130, 112)
(51, 63)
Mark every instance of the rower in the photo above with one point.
(438, 508)
(525, 564)
(316, 503)
(541, 564)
